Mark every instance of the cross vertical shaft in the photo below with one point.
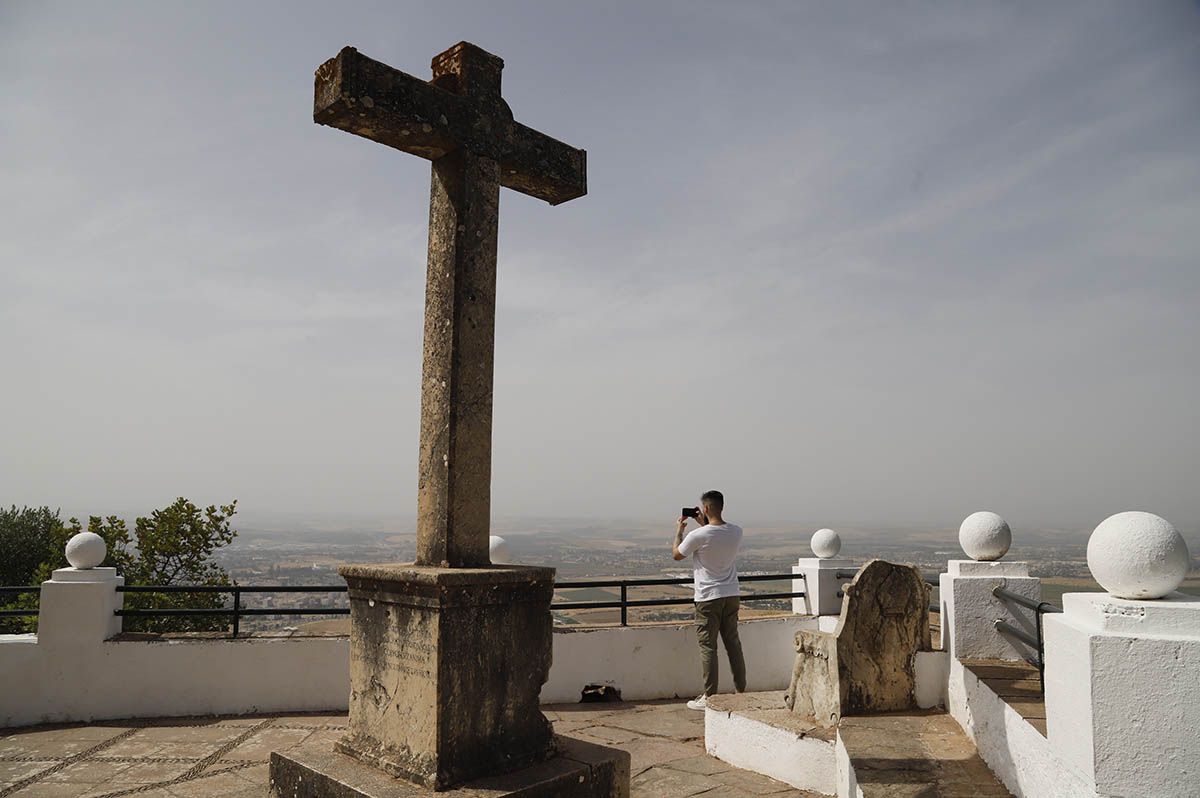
(448, 655)
(459, 121)
(454, 483)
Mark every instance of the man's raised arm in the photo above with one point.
(681, 525)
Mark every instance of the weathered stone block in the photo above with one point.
(446, 665)
(868, 663)
(580, 770)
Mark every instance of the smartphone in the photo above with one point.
(691, 512)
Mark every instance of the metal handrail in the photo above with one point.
(237, 610)
(231, 588)
(18, 590)
(1007, 628)
(674, 580)
(624, 603)
(1016, 598)
(1036, 642)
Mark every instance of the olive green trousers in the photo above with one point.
(720, 616)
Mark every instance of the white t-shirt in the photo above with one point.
(714, 549)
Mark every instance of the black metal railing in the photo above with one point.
(237, 611)
(19, 591)
(624, 603)
(1037, 641)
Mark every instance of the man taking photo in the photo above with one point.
(713, 549)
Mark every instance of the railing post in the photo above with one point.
(77, 604)
(237, 610)
(1121, 667)
(970, 608)
(822, 588)
(624, 603)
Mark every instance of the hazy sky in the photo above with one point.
(885, 262)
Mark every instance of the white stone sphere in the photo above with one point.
(498, 550)
(825, 543)
(984, 536)
(86, 550)
(1137, 556)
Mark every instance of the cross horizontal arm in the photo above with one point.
(363, 96)
(543, 167)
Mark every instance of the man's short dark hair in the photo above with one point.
(714, 499)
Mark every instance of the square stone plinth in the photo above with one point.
(446, 665)
(579, 769)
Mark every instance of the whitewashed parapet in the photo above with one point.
(818, 576)
(970, 609)
(1122, 704)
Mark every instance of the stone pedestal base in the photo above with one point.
(446, 665)
(580, 769)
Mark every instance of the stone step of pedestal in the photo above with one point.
(892, 755)
(580, 769)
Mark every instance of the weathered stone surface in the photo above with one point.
(446, 665)
(460, 107)
(867, 664)
(580, 769)
(460, 121)
(455, 465)
(922, 753)
(768, 708)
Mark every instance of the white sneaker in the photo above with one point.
(699, 702)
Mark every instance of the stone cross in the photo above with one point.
(460, 122)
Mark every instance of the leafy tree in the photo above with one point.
(174, 546)
(27, 539)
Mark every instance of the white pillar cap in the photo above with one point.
(1138, 555)
(984, 536)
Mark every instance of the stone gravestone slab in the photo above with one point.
(868, 662)
(448, 654)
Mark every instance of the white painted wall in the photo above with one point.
(806, 763)
(820, 585)
(1123, 692)
(663, 661)
(72, 673)
(969, 608)
(42, 683)
(931, 670)
(1015, 751)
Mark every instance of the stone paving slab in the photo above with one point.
(917, 753)
(227, 757)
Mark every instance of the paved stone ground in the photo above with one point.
(665, 741)
(916, 755)
(227, 757)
